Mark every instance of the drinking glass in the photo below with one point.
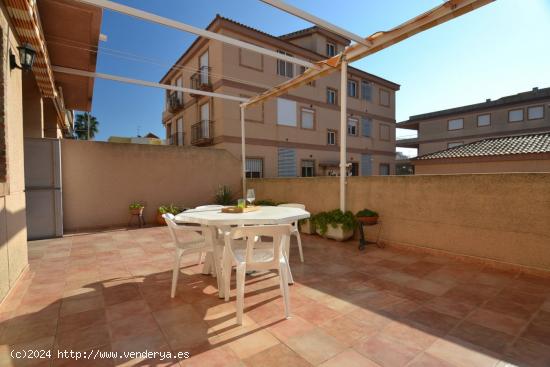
(241, 203)
(250, 196)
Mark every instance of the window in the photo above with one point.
(285, 68)
(366, 126)
(384, 169)
(331, 49)
(384, 98)
(366, 90)
(455, 124)
(308, 168)
(352, 88)
(331, 137)
(286, 112)
(484, 120)
(354, 169)
(331, 96)
(515, 115)
(454, 144)
(535, 113)
(308, 119)
(254, 168)
(353, 126)
(384, 132)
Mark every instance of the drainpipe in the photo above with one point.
(343, 131)
(243, 152)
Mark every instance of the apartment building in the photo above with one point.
(522, 113)
(294, 135)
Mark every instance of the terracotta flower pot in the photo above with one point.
(368, 220)
(136, 211)
(160, 220)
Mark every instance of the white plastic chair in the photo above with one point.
(195, 244)
(268, 256)
(295, 228)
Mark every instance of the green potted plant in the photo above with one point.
(367, 216)
(136, 208)
(164, 209)
(335, 224)
(223, 195)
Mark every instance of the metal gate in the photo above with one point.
(43, 188)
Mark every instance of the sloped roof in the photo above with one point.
(507, 145)
(532, 95)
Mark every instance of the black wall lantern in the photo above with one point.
(27, 55)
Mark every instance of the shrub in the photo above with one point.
(334, 217)
(366, 213)
(135, 205)
(223, 195)
(172, 209)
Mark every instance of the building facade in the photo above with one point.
(522, 113)
(294, 135)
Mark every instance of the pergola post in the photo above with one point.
(243, 151)
(343, 131)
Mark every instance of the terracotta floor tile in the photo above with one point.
(460, 355)
(349, 358)
(285, 329)
(497, 321)
(427, 360)
(278, 355)
(132, 325)
(528, 353)
(429, 286)
(216, 357)
(385, 352)
(537, 332)
(432, 320)
(315, 346)
(82, 319)
(408, 335)
(348, 330)
(77, 304)
(253, 343)
(83, 339)
(510, 308)
(489, 339)
(316, 313)
(451, 307)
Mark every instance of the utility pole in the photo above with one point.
(88, 114)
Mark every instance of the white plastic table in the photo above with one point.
(215, 219)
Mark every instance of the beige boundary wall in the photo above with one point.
(101, 179)
(501, 217)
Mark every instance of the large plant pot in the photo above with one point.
(368, 220)
(338, 233)
(307, 227)
(137, 211)
(160, 220)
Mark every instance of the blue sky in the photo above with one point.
(497, 50)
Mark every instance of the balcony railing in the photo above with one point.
(201, 80)
(175, 102)
(202, 133)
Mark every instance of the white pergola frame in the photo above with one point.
(364, 47)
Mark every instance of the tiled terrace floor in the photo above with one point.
(110, 292)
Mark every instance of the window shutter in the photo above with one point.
(366, 165)
(287, 162)
(366, 126)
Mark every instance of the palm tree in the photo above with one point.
(81, 126)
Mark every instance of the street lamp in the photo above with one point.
(27, 55)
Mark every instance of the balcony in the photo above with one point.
(202, 133)
(201, 80)
(175, 102)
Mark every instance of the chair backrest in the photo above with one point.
(281, 238)
(294, 205)
(173, 227)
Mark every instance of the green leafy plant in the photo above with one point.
(135, 205)
(172, 209)
(223, 195)
(366, 213)
(334, 217)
